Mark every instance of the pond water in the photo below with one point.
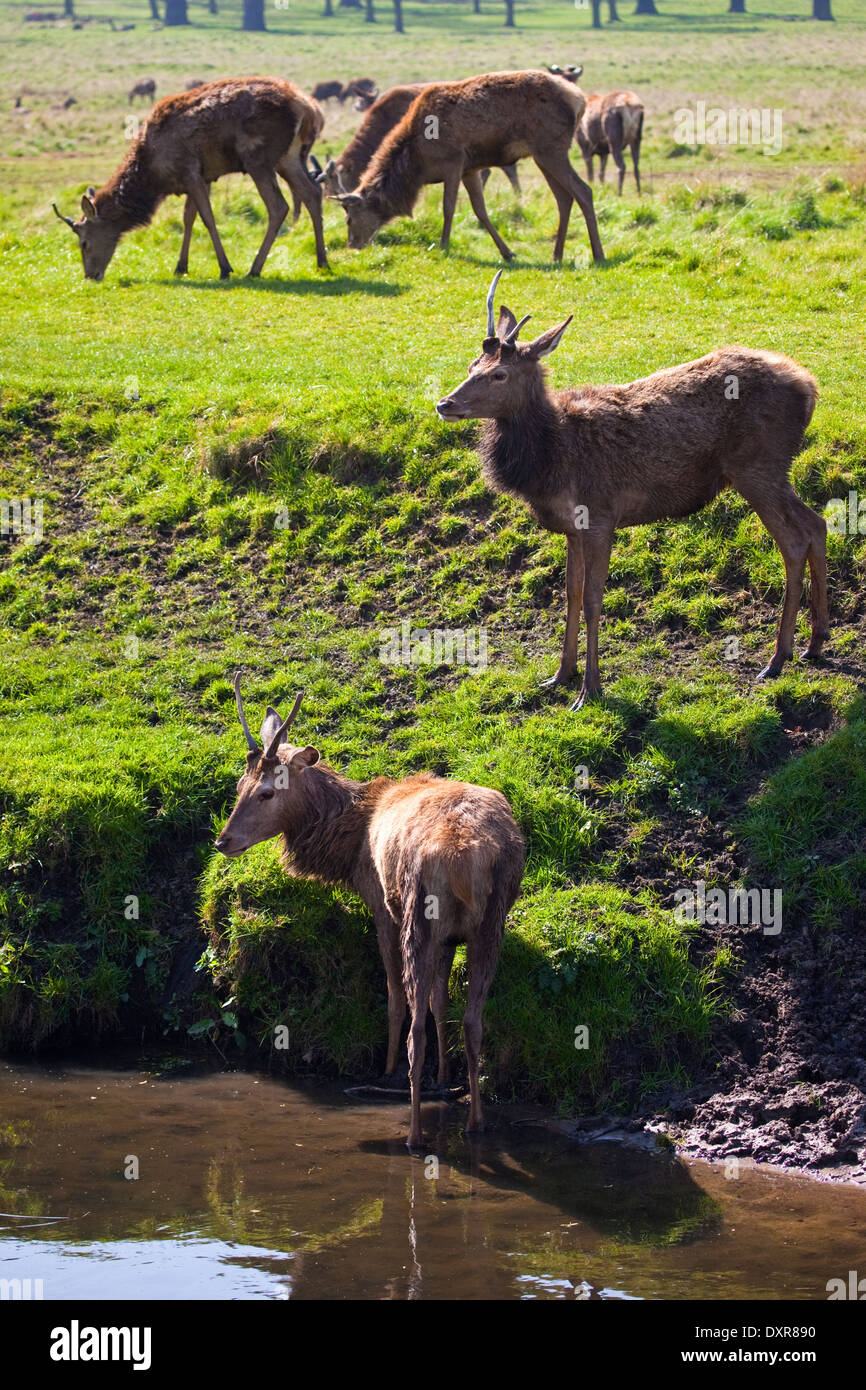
(249, 1187)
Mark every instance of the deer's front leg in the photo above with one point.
(574, 579)
(596, 559)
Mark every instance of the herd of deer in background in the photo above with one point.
(440, 862)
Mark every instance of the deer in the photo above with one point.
(256, 125)
(591, 460)
(571, 72)
(609, 125)
(343, 174)
(453, 130)
(327, 91)
(146, 88)
(363, 89)
(436, 861)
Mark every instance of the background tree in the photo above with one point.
(369, 12)
(596, 14)
(175, 12)
(509, 14)
(821, 9)
(69, 9)
(329, 9)
(254, 16)
(154, 10)
(612, 16)
(737, 7)
(398, 16)
(646, 7)
(212, 7)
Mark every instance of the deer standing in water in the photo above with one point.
(255, 125)
(591, 459)
(437, 862)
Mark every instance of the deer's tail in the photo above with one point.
(414, 924)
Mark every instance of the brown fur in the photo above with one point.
(655, 449)
(483, 122)
(326, 91)
(609, 125)
(344, 174)
(437, 862)
(258, 125)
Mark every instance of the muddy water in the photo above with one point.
(250, 1188)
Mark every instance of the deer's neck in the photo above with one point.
(326, 839)
(132, 195)
(524, 455)
(394, 181)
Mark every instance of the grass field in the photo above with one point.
(251, 475)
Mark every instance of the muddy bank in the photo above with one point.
(787, 1084)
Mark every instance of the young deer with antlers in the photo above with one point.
(596, 458)
(436, 862)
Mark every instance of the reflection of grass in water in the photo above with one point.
(362, 1220)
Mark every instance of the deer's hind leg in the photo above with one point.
(788, 521)
(388, 936)
(557, 164)
(474, 186)
(439, 1007)
(306, 191)
(564, 201)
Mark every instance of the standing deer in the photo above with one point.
(256, 125)
(327, 91)
(436, 862)
(609, 125)
(453, 130)
(145, 88)
(592, 459)
(342, 174)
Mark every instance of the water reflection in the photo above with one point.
(249, 1188)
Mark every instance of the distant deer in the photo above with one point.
(436, 862)
(327, 91)
(255, 125)
(596, 458)
(609, 125)
(571, 72)
(453, 130)
(363, 89)
(344, 173)
(145, 88)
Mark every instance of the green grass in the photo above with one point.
(252, 475)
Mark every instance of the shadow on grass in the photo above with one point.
(336, 285)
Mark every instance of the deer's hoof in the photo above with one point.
(180, 269)
(224, 274)
(771, 671)
(561, 678)
(585, 697)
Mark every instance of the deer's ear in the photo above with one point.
(305, 757)
(506, 322)
(269, 727)
(87, 206)
(548, 342)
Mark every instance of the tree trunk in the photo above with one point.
(398, 16)
(154, 10)
(612, 16)
(329, 9)
(737, 7)
(175, 12)
(596, 14)
(69, 9)
(254, 16)
(476, 6)
(212, 7)
(646, 7)
(509, 14)
(821, 9)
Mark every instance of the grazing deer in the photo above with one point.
(609, 125)
(327, 91)
(342, 174)
(255, 125)
(453, 130)
(145, 88)
(596, 458)
(364, 89)
(436, 862)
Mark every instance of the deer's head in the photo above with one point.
(507, 375)
(271, 790)
(328, 178)
(97, 236)
(363, 219)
